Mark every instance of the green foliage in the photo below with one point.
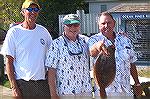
(9, 12)
(48, 17)
(6, 83)
(51, 9)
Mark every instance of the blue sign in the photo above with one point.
(135, 16)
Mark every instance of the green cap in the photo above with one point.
(71, 19)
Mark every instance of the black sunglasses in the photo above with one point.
(31, 9)
(72, 53)
(70, 25)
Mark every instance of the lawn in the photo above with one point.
(6, 83)
(144, 71)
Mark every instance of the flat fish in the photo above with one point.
(105, 69)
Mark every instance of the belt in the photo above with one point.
(31, 80)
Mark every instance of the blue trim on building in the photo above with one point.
(121, 19)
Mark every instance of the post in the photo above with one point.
(81, 15)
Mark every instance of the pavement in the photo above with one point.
(141, 79)
(5, 93)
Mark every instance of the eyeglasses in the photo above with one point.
(31, 9)
(70, 25)
(80, 51)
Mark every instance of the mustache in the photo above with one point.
(72, 31)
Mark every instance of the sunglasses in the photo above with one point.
(70, 25)
(31, 9)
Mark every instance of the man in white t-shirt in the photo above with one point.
(25, 49)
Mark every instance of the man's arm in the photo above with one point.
(52, 83)
(134, 73)
(11, 75)
(137, 86)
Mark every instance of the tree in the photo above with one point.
(10, 12)
(51, 9)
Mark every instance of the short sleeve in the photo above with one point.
(49, 38)
(8, 47)
(133, 56)
(52, 55)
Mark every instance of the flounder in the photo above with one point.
(105, 69)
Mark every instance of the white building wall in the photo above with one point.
(96, 7)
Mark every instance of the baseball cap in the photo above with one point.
(71, 19)
(27, 3)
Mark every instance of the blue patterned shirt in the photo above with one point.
(72, 70)
(124, 55)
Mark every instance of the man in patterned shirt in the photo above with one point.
(68, 62)
(124, 56)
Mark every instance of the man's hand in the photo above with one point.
(16, 92)
(137, 90)
(97, 48)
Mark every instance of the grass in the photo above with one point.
(144, 72)
(6, 83)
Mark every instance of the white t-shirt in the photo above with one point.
(28, 48)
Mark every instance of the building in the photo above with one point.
(97, 6)
(132, 17)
